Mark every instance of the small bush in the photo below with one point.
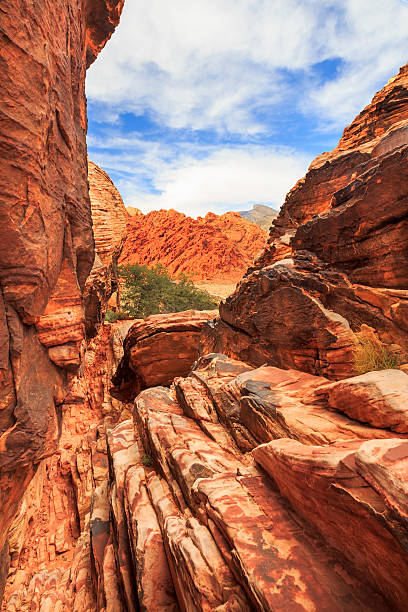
(371, 354)
(148, 291)
(112, 317)
(146, 460)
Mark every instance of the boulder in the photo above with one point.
(157, 349)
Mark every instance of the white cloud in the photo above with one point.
(225, 179)
(213, 63)
(237, 67)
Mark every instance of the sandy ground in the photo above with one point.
(217, 289)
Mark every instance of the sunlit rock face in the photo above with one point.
(46, 239)
(337, 255)
(215, 247)
(109, 227)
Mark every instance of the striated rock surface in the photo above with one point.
(168, 509)
(46, 240)
(109, 227)
(378, 398)
(214, 247)
(187, 519)
(49, 541)
(336, 259)
(157, 349)
(348, 510)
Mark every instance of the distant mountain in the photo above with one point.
(261, 215)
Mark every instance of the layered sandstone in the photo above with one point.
(46, 240)
(169, 509)
(49, 538)
(214, 247)
(109, 227)
(336, 259)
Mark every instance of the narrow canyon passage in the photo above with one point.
(252, 456)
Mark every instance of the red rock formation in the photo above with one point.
(158, 349)
(46, 242)
(217, 248)
(185, 520)
(50, 538)
(109, 226)
(352, 516)
(336, 258)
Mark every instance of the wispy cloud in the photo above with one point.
(245, 75)
(152, 176)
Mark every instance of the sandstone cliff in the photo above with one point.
(214, 247)
(46, 240)
(337, 254)
(109, 228)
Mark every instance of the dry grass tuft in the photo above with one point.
(371, 354)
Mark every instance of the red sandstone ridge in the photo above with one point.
(46, 240)
(337, 255)
(214, 247)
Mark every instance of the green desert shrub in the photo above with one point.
(112, 316)
(147, 291)
(371, 354)
(146, 460)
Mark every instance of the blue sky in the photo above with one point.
(213, 105)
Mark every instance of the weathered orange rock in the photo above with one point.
(50, 536)
(351, 515)
(46, 241)
(272, 557)
(378, 398)
(336, 252)
(216, 248)
(157, 349)
(109, 227)
(275, 317)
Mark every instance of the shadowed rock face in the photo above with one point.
(46, 240)
(337, 254)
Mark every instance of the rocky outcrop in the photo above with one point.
(186, 519)
(132, 211)
(109, 227)
(46, 240)
(49, 540)
(216, 248)
(233, 489)
(157, 349)
(336, 259)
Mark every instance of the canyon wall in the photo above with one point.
(109, 228)
(337, 255)
(46, 240)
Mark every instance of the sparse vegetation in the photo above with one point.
(112, 317)
(146, 460)
(371, 354)
(147, 291)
